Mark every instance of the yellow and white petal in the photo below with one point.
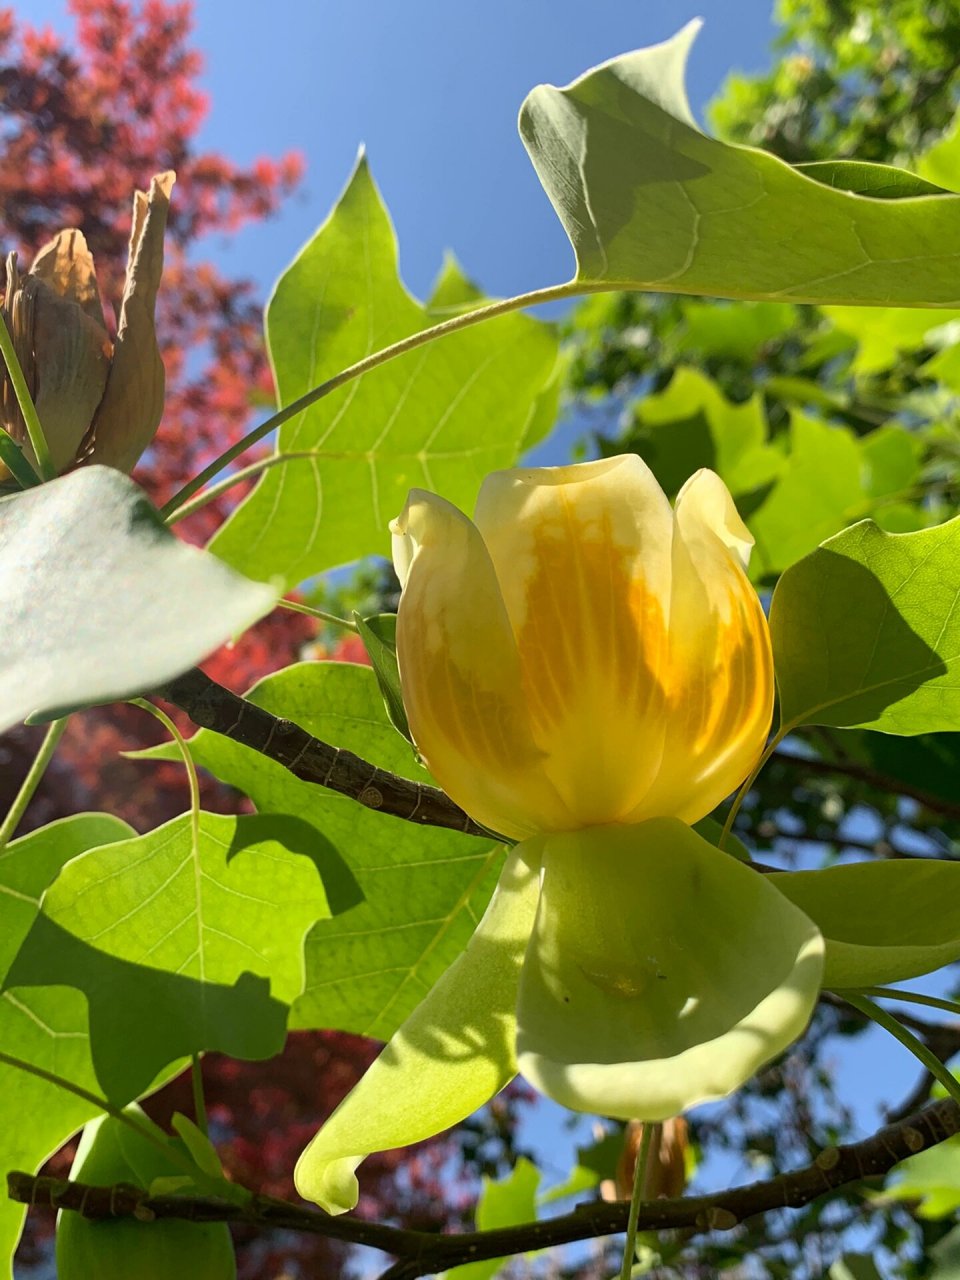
(583, 558)
(460, 673)
(662, 973)
(454, 1052)
(719, 685)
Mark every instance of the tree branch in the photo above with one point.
(422, 1253)
(211, 706)
(872, 777)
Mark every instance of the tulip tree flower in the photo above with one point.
(98, 401)
(588, 672)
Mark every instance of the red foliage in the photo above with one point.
(81, 129)
(82, 126)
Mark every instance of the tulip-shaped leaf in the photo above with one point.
(933, 1178)
(424, 889)
(454, 1052)
(650, 202)
(507, 1202)
(866, 631)
(46, 1027)
(441, 416)
(661, 973)
(882, 921)
(98, 601)
(182, 940)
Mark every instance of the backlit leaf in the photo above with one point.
(866, 631)
(651, 202)
(439, 418)
(99, 601)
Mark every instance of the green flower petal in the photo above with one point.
(661, 973)
(454, 1052)
(882, 921)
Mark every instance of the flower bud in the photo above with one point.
(97, 400)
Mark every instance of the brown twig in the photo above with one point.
(422, 1253)
(211, 706)
(872, 777)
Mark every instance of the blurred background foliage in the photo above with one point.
(815, 418)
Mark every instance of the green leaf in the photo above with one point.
(650, 202)
(884, 333)
(737, 331)
(507, 1202)
(202, 1150)
(423, 889)
(882, 181)
(109, 1153)
(891, 460)
(794, 491)
(181, 944)
(595, 1162)
(818, 493)
(12, 457)
(882, 921)
(441, 417)
(929, 762)
(47, 1028)
(895, 670)
(379, 636)
(99, 601)
(932, 1177)
(691, 424)
(945, 1256)
(854, 1266)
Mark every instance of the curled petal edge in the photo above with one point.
(454, 1052)
(662, 973)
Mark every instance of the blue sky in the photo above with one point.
(432, 87)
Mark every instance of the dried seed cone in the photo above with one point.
(666, 1166)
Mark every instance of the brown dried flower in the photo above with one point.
(666, 1164)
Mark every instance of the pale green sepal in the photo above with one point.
(454, 1052)
(661, 973)
(882, 921)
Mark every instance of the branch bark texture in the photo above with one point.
(421, 1253)
(211, 706)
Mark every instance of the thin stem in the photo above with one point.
(78, 1091)
(639, 1194)
(16, 462)
(199, 1102)
(906, 1038)
(192, 779)
(27, 408)
(552, 294)
(245, 473)
(908, 997)
(32, 780)
(747, 784)
(296, 607)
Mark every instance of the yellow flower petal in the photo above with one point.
(454, 1052)
(583, 557)
(718, 684)
(460, 673)
(661, 973)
